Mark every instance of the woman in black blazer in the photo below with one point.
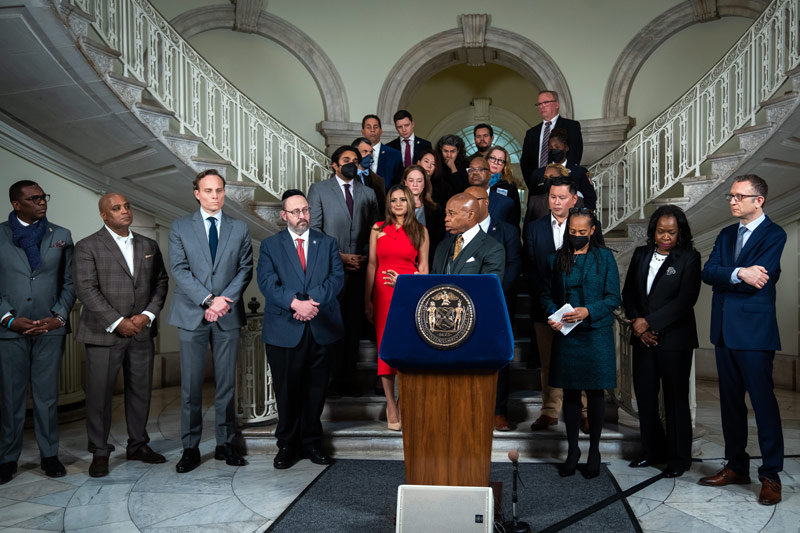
(660, 291)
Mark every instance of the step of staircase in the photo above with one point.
(778, 107)
(723, 163)
(752, 137)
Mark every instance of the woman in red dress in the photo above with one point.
(399, 245)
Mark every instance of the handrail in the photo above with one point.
(675, 143)
(205, 104)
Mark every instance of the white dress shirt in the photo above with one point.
(303, 236)
(469, 235)
(655, 265)
(207, 224)
(558, 231)
(751, 227)
(125, 245)
(376, 154)
(410, 147)
(485, 223)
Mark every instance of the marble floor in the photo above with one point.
(217, 497)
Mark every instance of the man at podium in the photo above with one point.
(468, 250)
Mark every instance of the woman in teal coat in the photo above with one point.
(584, 274)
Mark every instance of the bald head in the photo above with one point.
(116, 213)
(461, 213)
(482, 198)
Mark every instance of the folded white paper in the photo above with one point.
(566, 327)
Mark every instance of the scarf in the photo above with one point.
(495, 179)
(28, 238)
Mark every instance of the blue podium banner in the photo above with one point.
(489, 347)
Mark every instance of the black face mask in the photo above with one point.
(578, 241)
(349, 170)
(556, 155)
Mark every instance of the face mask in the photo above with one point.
(578, 241)
(366, 161)
(557, 155)
(349, 171)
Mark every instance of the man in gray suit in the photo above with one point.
(300, 274)
(211, 261)
(121, 280)
(345, 209)
(36, 296)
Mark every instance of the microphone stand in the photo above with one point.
(514, 525)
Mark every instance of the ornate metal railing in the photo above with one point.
(728, 97)
(255, 397)
(205, 104)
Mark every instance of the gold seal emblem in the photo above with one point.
(445, 317)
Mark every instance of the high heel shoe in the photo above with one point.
(393, 426)
(569, 466)
(592, 465)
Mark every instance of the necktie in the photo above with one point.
(459, 244)
(301, 254)
(348, 198)
(739, 242)
(213, 238)
(407, 156)
(544, 156)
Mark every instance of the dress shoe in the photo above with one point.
(189, 461)
(52, 467)
(231, 456)
(770, 492)
(146, 454)
(501, 423)
(643, 462)
(726, 476)
(543, 422)
(317, 456)
(393, 426)
(285, 458)
(585, 425)
(673, 472)
(569, 466)
(591, 473)
(7, 471)
(592, 465)
(99, 466)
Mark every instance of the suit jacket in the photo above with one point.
(536, 183)
(281, 279)
(378, 185)
(108, 291)
(196, 276)
(482, 255)
(434, 222)
(390, 165)
(742, 316)
(40, 293)
(420, 146)
(509, 190)
(669, 308)
(501, 207)
(530, 146)
(329, 214)
(507, 235)
(599, 285)
(538, 246)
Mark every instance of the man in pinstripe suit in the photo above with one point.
(121, 280)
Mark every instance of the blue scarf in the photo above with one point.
(28, 238)
(495, 179)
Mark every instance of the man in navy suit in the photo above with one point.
(743, 269)
(409, 145)
(507, 235)
(500, 207)
(300, 274)
(535, 149)
(559, 154)
(386, 161)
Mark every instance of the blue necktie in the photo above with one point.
(739, 242)
(213, 238)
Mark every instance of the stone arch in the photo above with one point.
(445, 49)
(303, 47)
(656, 33)
(460, 118)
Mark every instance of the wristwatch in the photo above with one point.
(208, 301)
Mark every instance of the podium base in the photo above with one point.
(448, 420)
(519, 527)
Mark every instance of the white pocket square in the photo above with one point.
(470, 260)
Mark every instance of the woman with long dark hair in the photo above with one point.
(453, 154)
(398, 245)
(583, 274)
(661, 288)
(427, 212)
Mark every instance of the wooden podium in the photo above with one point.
(447, 397)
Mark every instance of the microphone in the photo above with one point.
(514, 525)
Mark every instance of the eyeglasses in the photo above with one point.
(38, 199)
(473, 170)
(740, 197)
(540, 104)
(297, 212)
(496, 160)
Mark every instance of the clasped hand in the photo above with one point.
(304, 310)
(26, 326)
(641, 329)
(353, 262)
(219, 307)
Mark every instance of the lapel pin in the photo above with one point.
(313, 242)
